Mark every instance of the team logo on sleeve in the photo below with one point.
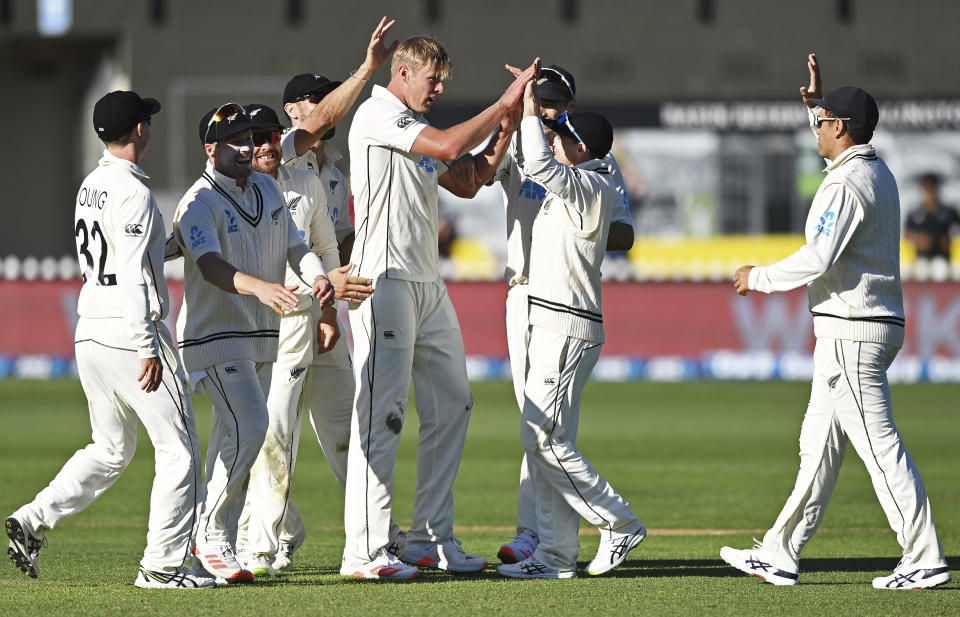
(133, 230)
(531, 190)
(427, 164)
(333, 185)
(827, 221)
(404, 122)
(196, 237)
(294, 203)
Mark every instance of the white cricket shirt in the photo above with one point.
(395, 192)
(333, 181)
(120, 239)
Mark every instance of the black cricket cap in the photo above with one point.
(222, 122)
(589, 128)
(854, 103)
(302, 85)
(556, 84)
(118, 112)
(262, 116)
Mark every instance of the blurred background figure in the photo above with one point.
(930, 228)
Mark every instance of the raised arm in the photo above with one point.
(335, 105)
(450, 144)
(470, 172)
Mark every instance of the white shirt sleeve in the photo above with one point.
(835, 216)
(395, 128)
(338, 206)
(197, 229)
(288, 144)
(131, 225)
(621, 209)
(568, 183)
(319, 229)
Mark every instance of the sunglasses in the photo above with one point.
(227, 111)
(262, 137)
(557, 78)
(563, 120)
(313, 98)
(817, 120)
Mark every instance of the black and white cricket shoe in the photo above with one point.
(755, 562)
(25, 545)
(906, 578)
(613, 549)
(153, 579)
(532, 568)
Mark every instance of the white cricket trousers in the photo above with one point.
(567, 486)
(518, 337)
(236, 389)
(323, 384)
(850, 401)
(405, 329)
(108, 374)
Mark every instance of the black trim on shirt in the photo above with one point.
(887, 319)
(563, 308)
(252, 220)
(228, 334)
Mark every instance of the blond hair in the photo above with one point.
(422, 52)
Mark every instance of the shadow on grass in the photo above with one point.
(304, 576)
(670, 568)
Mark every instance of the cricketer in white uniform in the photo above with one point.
(126, 360)
(556, 90)
(312, 367)
(300, 97)
(851, 267)
(566, 334)
(237, 238)
(408, 328)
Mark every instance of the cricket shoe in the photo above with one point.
(447, 555)
(24, 550)
(532, 568)
(259, 564)
(396, 544)
(518, 549)
(613, 549)
(154, 579)
(221, 562)
(384, 567)
(916, 578)
(283, 561)
(756, 563)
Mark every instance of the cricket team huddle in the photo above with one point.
(268, 247)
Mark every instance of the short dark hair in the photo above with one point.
(122, 140)
(858, 132)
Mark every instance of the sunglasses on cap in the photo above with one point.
(313, 98)
(227, 111)
(262, 137)
(557, 78)
(563, 120)
(817, 120)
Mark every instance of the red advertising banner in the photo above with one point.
(641, 319)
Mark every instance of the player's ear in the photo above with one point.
(403, 71)
(289, 108)
(209, 148)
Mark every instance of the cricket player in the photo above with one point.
(301, 96)
(566, 333)
(408, 327)
(312, 366)
(556, 91)
(237, 238)
(851, 267)
(126, 360)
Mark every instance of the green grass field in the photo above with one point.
(703, 464)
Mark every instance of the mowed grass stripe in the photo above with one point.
(702, 464)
